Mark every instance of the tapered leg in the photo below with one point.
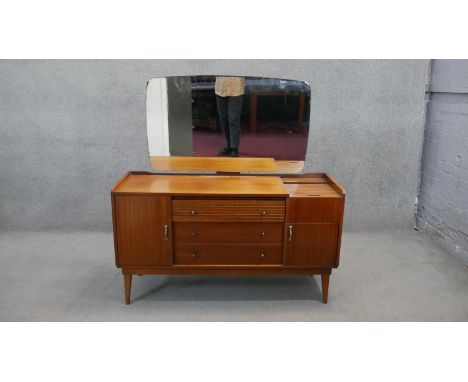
(325, 281)
(128, 287)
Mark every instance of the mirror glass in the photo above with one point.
(210, 116)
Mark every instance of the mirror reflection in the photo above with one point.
(228, 116)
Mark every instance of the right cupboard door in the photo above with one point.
(311, 245)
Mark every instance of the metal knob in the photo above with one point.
(264, 212)
(194, 212)
(194, 254)
(262, 234)
(194, 233)
(262, 255)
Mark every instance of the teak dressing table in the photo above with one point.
(226, 223)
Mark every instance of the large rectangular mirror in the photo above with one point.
(227, 116)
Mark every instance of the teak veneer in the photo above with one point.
(227, 225)
(225, 164)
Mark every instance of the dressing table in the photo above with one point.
(226, 216)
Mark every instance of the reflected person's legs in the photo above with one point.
(222, 103)
(234, 111)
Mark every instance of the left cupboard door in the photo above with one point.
(143, 230)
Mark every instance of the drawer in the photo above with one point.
(228, 255)
(240, 233)
(228, 210)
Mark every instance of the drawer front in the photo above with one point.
(240, 233)
(228, 255)
(232, 210)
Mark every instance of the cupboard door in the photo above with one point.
(310, 245)
(143, 230)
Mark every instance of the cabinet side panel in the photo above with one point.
(340, 232)
(114, 230)
(140, 222)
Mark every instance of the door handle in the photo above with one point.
(290, 233)
(166, 230)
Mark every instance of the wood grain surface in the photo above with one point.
(205, 254)
(248, 233)
(140, 230)
(229, 210)
(311, 245)
(246, 186)
(224, 164)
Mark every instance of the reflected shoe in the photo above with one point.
(224, 152)
(234, 152)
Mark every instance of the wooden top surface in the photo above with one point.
(221, 164)
(198, 185)
(304, 190)
(312, 185)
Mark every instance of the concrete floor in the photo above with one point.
(383, 276)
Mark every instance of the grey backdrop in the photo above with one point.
(70, 129)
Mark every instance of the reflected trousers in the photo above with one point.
(229, 109)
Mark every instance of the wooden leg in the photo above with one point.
(128, 287)
(325, 281)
